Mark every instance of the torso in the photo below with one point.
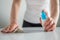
(34, 8)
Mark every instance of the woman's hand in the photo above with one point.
(49, 24)
(11, 28)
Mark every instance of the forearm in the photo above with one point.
(55, 10)
(14, 11)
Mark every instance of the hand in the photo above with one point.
(49, 24)
(11, 28)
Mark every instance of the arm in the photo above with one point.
(13, 26)
(51, 22)
(55, 10)
(14, 11)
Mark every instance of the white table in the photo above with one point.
(32, 34)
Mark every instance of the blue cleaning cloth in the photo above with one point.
(43, 16)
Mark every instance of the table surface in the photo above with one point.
(32, 33)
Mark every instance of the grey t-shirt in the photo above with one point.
(34, 9)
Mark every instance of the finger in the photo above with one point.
(47, 21)
(52, 27)
(49, 24)
(12, 29)
(15, 29)
(5, 29)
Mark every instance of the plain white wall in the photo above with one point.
(59, 14)
(5, 10)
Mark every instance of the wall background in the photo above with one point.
(5, 10)
(59, 14)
